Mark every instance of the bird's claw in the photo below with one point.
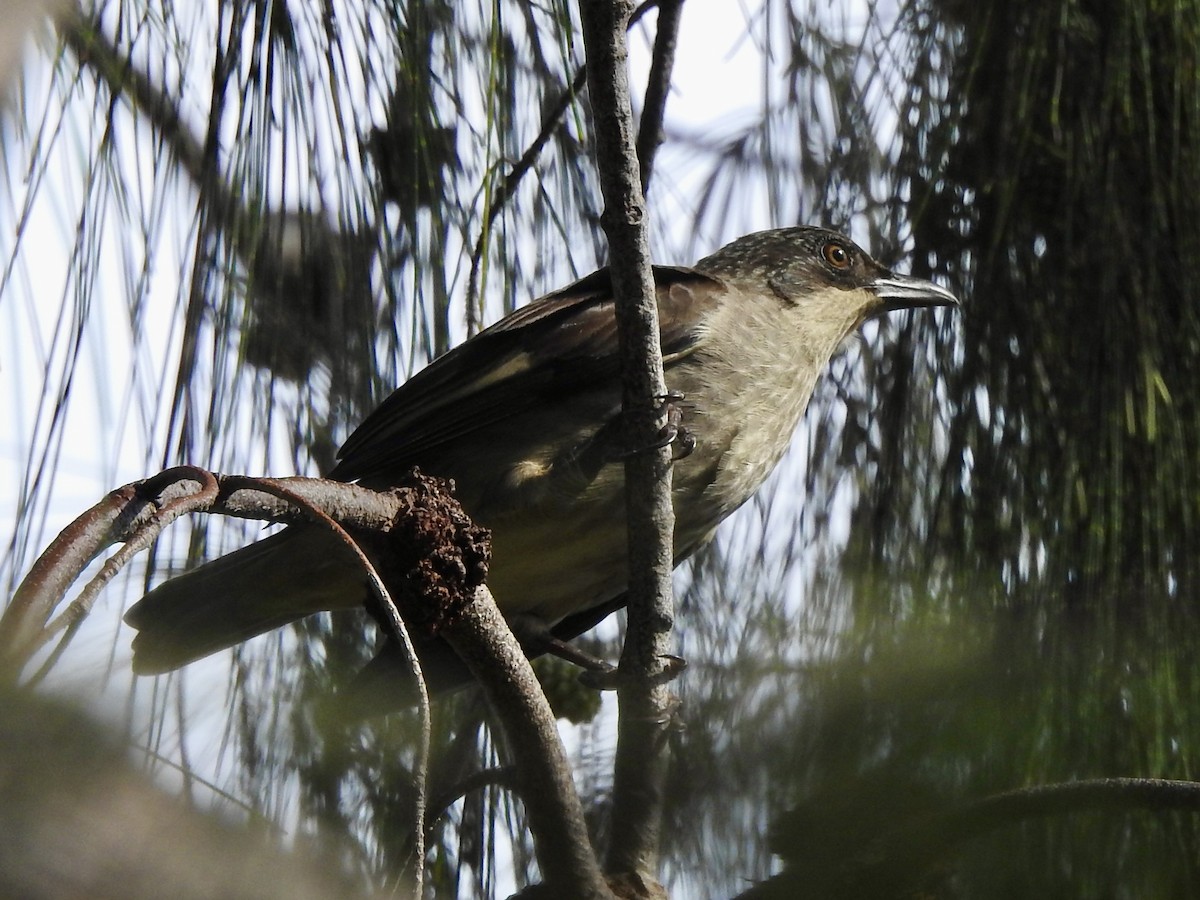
(612, 678)
(674, 434)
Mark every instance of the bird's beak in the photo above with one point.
(906, 292)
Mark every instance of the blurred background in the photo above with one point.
(227, 230)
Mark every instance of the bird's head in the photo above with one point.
(823, 271)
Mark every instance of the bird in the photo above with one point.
(524, 417)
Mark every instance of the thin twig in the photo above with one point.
(495, 776)
(522, 167)
(934, 835)
(658, 86)
(399, 631)
(140, 508)
(87, 41)
(901, 858)
(509, 187)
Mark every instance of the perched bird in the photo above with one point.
(522, 417)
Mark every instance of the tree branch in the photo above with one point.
(895, 863)
(136, 513)
(640, 769)
(658, 86)
(564, 851)
(922, 842)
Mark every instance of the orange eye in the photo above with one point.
(836, 255)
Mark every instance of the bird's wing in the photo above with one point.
(543, 352)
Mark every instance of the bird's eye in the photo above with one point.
(836, 255)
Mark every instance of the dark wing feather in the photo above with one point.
(541, 352)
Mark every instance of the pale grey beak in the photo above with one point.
(906, 292)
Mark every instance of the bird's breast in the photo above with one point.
(569, 553)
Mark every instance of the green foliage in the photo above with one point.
(1057, 173)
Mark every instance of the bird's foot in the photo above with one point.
(536, 639)
(611, 444)
(674, 433)
(611, 678)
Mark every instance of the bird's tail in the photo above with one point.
(275, 581)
